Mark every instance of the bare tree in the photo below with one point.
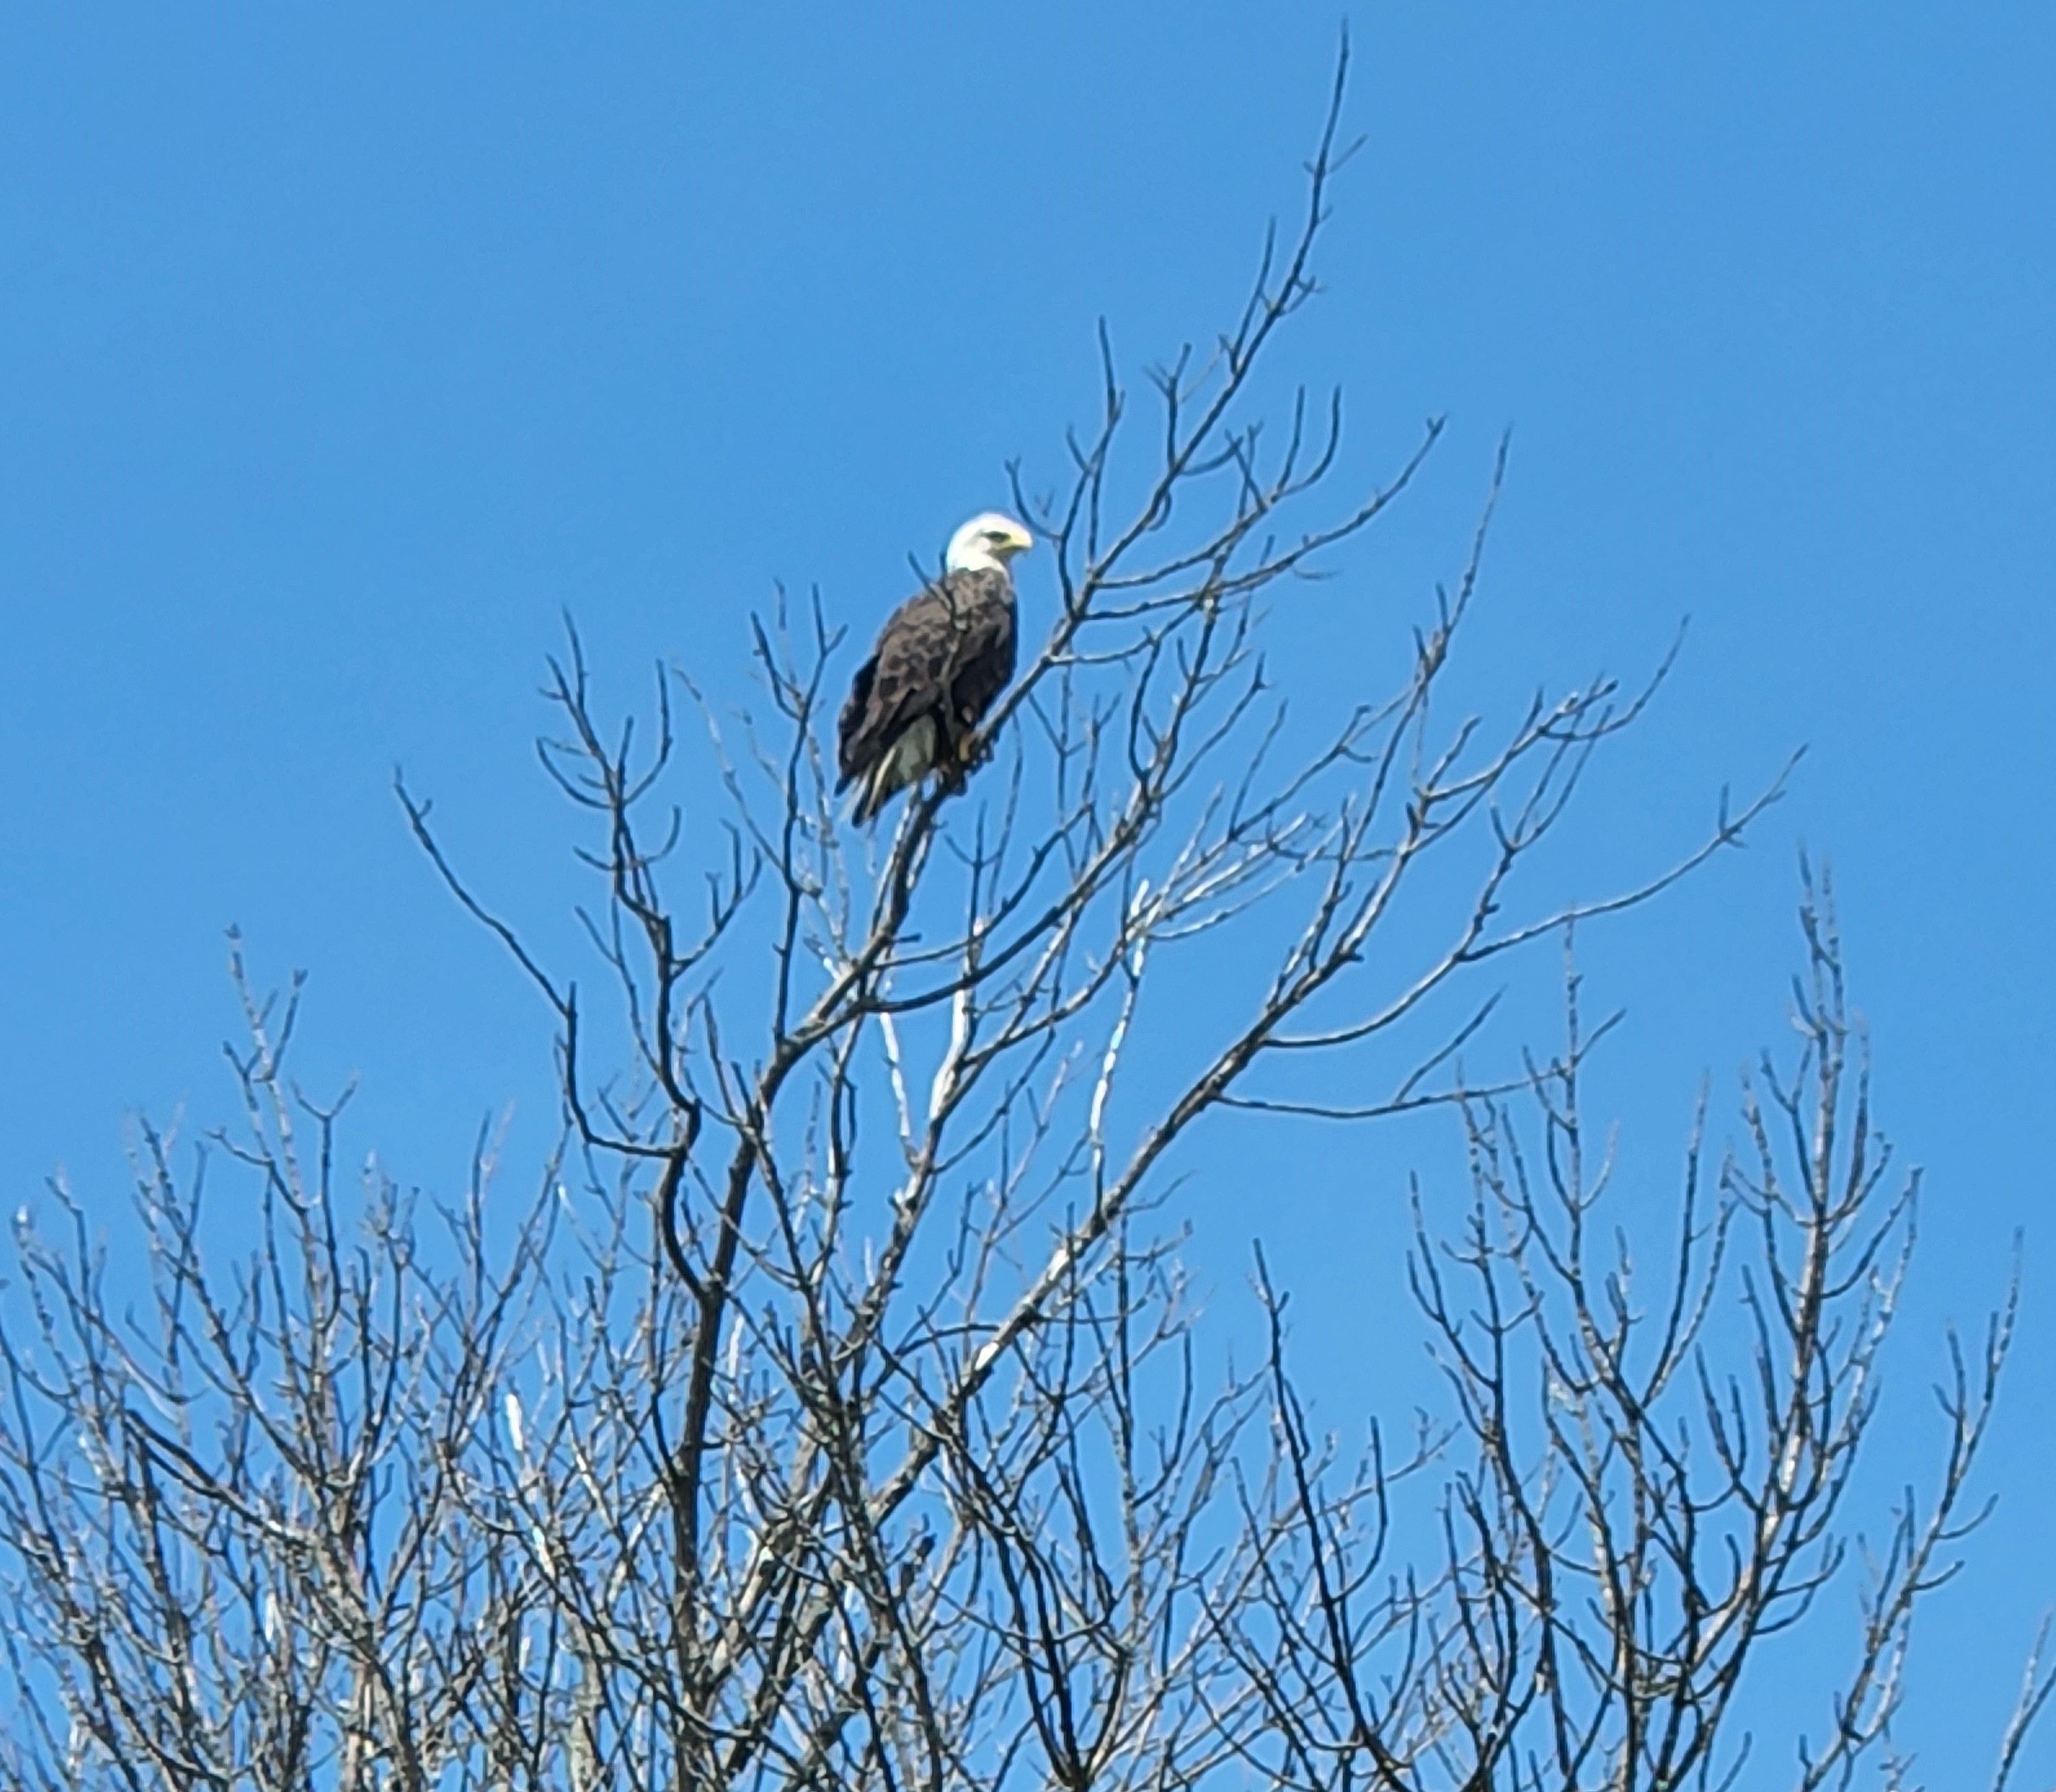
(831, 1416)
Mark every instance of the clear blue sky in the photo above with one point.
(340, 348)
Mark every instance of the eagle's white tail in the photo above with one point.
(907, 760)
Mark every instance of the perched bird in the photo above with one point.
(942, 658)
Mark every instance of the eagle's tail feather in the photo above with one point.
(908, 759)
(871, 798)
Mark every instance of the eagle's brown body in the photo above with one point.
(942, 658)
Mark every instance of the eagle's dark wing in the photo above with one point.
(855, 745)
(985, 662)
(942, 658)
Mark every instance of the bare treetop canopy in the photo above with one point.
(831, 1416)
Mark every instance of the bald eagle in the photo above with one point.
(942, 658)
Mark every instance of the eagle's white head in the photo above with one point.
(986, 543)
